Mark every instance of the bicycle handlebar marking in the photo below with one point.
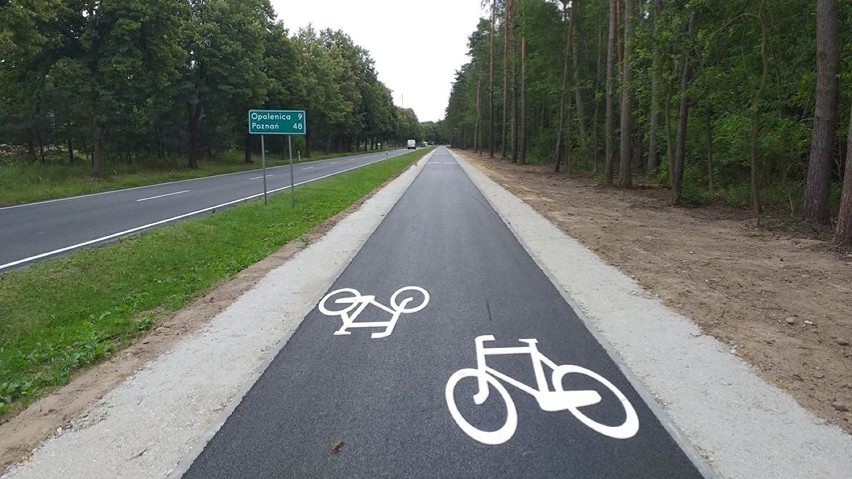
(557, 399)
(355, 303)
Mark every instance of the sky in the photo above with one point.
(417, 45)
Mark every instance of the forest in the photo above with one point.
(138, 80)
(744, 103)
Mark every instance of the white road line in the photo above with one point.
(168, 220)
(260, 177)
(308, 168)
(34, 203)
(162, 196)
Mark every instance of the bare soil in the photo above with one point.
(53, 413)
(782, 302)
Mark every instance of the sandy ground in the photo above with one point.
(782, 303)
(55, 413)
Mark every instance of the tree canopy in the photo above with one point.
(140, 79)
(718, 98)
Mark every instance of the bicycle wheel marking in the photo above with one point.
(349, 303)
(555, 399)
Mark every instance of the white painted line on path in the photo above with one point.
(168, 220)
(556, 400)
(162, 196)
(353, 300)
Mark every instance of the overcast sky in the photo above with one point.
(417, 45)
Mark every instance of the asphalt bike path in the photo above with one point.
(442, 351)
(38, 230)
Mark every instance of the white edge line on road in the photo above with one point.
(162, 196)
(177, 181)
(260, 177)
(168, 220)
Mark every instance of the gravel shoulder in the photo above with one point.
(780, 302)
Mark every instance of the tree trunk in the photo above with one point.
(523, 127)
(514, 134)
(843, 234)
(682, 119)
(194, 115)
(564, 92)
(667, 108)
(247, 149)
(609, 134)
(579, 101)
(598, 82)
(710, 186)
(653, 152)
(754, 152)
(505, 124)
(31, 145)
(491, 81)
(40, 146)
(477, 126)
(825, 114)
(70, 152)
(98, 151)
(625, 179)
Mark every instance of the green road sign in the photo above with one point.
(277, 122)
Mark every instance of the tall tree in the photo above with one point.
(564, 90)
(609, 131)
(513, 12)
(492, 32)
(653, 122)
(625, 171)
(522, 129)
(825, 114)
(756, 113)
(579, 99)
(683, 115)
(843, 233)
(505, 123)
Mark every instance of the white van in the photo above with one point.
(412, 144)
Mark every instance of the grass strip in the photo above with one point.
(64, 314)
(26, 182)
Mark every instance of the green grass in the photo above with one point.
(22, 181)
(60, 315)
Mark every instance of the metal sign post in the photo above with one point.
(278, 122)
(263, 162)
(292, 180)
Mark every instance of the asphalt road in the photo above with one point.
(358, 406)
(39, 230)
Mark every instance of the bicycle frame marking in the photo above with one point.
(357, 303)
(549, 400)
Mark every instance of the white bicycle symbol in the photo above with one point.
(556, 400)
(354, 304)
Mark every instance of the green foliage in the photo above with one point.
(724, 51)
(138, 69)
(63, 314)
(694, 187)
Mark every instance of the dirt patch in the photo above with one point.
(53, 413)
(781, 302)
